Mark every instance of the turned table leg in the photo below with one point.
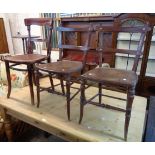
(7, 125)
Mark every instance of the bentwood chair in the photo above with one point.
(29, 59)
(66, 68)
(112, 78)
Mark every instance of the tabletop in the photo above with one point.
(98, 124)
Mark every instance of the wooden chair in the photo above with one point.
(111, 78)
(30, 59)
(66, 68)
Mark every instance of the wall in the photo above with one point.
(16, 21)
(14, 24)
(8, 32)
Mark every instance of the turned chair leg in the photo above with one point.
(51, 81)
(38, 88)
(68, 96)
(100, 93)
(82, 100)
(8, 78)
(62, 85)
(130, 97)
(33, 76)
(30, 78)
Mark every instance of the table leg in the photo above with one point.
(8, 78)
(7, 125)
(30, 78)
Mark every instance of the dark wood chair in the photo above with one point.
(66, 68)
(30, 59)
(111, 78)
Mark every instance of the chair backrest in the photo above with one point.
(82, 46)
(124, 25)
(45, 23)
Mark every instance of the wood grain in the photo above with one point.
(98, 124)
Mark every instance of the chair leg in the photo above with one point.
(68, 96)
(30, 76)
(51, 81)
(100, 93)
(82, 100)
(62, 85)
(8, 78)
(130, 97)
(34, 76)
(38, 88)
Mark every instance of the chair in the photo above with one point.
(66, 68)
(112, 78)
(30, 59)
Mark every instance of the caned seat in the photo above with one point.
(122, 80)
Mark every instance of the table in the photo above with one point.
(24, 40)
(98, 124)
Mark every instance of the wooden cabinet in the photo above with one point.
(146, 83)
(3, 40)
(92, 57)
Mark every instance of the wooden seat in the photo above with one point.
(27, 58)
(112, 78)
(30, 59)
(65, 68)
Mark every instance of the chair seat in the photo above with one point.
(112, 76)
(26, 58)
(61, 67)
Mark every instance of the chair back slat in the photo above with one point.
(38, 21)
(140, 29)
(123, 51)
(64, 45)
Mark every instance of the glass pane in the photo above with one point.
(150, 71)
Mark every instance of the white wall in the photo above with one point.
(14, 23)
(17, 25)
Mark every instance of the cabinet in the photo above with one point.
(92, 57)
(3, 39)
(146, 82)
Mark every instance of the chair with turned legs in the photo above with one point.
(66, 68)
(120, 80)
(29, 59)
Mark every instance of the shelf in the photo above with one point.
(126, 38)
(150, 74)
(132, 56)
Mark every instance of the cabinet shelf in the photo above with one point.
(126, 38)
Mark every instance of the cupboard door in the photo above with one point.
(3, 40)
